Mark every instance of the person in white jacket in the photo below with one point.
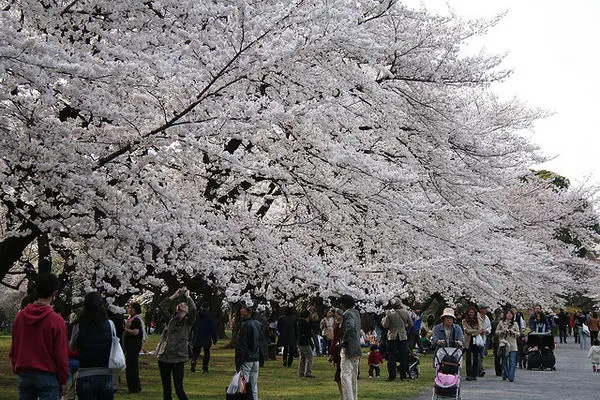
(594, 355)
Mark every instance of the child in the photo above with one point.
(593, 354)
(375, 360)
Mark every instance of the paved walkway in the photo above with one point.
(573, 379)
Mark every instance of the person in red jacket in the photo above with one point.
(375, 361)
(39, 352)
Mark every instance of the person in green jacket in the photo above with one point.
(172, 350)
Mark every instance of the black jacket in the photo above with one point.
(304, 333)
(247, 347)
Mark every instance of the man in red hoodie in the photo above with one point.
(39, 350)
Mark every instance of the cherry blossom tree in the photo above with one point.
(274, 150)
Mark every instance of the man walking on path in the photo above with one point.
(39, 352)
(563, 323)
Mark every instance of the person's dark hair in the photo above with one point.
(540, 315)
(136, 307)
(347, 301)
(94, 309)
(596, 342)
(305, 314)
(472, 320)
(46, 285)
(509, 311)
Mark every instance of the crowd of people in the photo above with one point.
(56, 358)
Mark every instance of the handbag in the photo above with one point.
(502, 348)
(116, 360)
(160, 347)
(479, 341)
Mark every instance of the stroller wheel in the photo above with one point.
(413, 373)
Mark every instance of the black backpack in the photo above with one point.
(449, 364)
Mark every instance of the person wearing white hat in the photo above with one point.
(447, 333)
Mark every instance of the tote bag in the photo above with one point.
(117, 358)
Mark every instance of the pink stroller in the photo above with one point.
(447, 363)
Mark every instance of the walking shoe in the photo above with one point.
(309, 376)
(371, 376)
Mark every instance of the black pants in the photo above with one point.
(374, 368)
(288, 355)
(593, 336)
(472, 356)
(132, 372)
(205, 358)
(175, 369)
(562, 333)
(397, 349)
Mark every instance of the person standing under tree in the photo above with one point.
(398, 321)
(133, 337)
(486, 329)
(39, 352)
(247, 350)
(305, 345)
(92, 337)
(205, 334)
(172, 350)
(351, 351)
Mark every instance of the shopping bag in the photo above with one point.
(116, 360)
(233, 385)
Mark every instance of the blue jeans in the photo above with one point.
(95, 387)
(582, 339)
(250, 371)
(509, 364)
(38, 385)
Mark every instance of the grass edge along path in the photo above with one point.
(275, 381)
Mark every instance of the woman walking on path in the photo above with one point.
(509, 329)
(92, 336)
(172, 350)
(594, 324)
(580, 320)
(471, 329)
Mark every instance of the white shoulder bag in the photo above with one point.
(117, 358)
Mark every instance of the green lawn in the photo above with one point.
(274, 382)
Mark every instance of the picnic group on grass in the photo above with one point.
(54, 359)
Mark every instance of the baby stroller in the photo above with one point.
(413, 365)
(447, 363)
(540, 352)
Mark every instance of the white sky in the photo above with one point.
(553, 48)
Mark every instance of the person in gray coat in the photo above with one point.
(398, 322)
(351, 351)
(172, 350)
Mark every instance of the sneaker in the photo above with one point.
(377, 377)
(309, 376)
(371, 376)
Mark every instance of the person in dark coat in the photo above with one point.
(288, 334)
(132, 343)
(263, 337)
(205, 335)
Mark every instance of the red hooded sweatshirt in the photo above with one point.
(39, 342)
